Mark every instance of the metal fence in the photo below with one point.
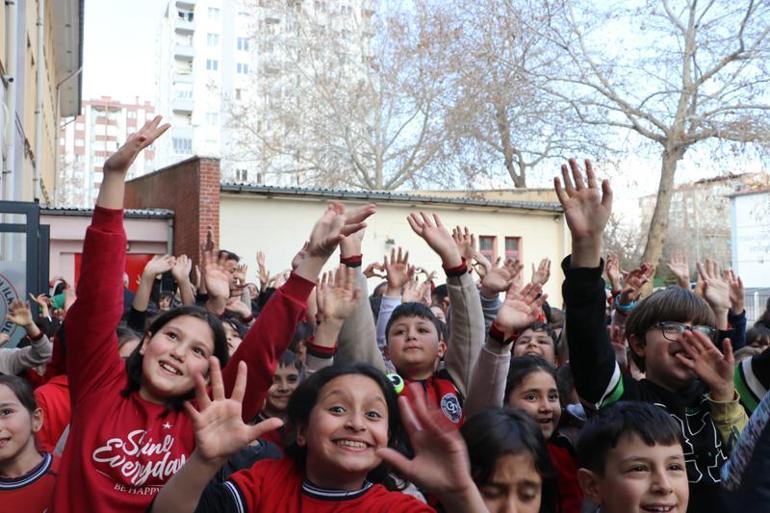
(755, 301)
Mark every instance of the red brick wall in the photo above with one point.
(191, 189)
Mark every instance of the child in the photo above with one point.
(128, 434)
(631, 460)
(285, 381)
(532, 388)
(669, 335)
(537, 339)
(343, 418)
(27, 476)
(16, 360)
(509, 462)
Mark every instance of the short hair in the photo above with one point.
(22, 389)
(290, 359)
(523, 366)
(126, 334)
(440, 291)
(237, 325)
(134, 361)
(669, 304)
(565, 383)
(228, 255)
(542, 327)
(305, 397)
(757, 332)
(413, 310)
(494, 433)
(603, 431)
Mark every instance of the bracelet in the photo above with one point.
(624, 308)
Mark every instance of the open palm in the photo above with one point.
(586, 207)
(520, 309)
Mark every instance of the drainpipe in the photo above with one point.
(56, 169)
(11, 22)
(39, 99)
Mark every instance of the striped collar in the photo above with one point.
(29, 478)
(314, 491)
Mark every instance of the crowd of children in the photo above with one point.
(204, 392)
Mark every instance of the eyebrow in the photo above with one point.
(3, 405)
(346, 395)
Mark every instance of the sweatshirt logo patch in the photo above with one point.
(450, 405)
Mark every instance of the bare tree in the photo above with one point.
(498, 117)
(354, 101)
(676, 73)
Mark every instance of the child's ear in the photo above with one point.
(441, 348)
(37, 420)
(589, 484)
(301, 436)
(143, 343)
(386, 351)
(637, 345)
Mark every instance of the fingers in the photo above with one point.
(397, 461)
(215, 375)
(576, 175)
(259, 430)
(727, 351)
(590, 175)
(201, 394)
(239, 388)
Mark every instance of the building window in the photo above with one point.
(242, 175)
(237, 94)
(131, 114)
(182, 146)
(242, 68)
(488, 247)
(212, 118)
(513, 248)
(212, 39)
(185, 15)
(212, 64)
(242, 43)
(79, 142)
(214, 13)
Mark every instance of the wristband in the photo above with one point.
(248, 319)
(38, 336)
(319, 351)
(496, 334)
(459, 270)
(352, 261)
(624, 308)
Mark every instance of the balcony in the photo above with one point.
(184, 25)
(183, 52)
(182, 104)
(186, 4)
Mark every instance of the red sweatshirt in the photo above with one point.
(54, 399)
(122, 450)
(30, 493)
(570, 495)
(276, 485)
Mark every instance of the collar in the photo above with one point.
(317, 492)
(29, 478)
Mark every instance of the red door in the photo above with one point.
(135, 263)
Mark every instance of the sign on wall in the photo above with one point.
(751, 238)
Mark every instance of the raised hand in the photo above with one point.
(264, 274)
(4, 338)
(238, 307)
(634, 281)
(716, 290)
(465, 242)
(397, 271)
(42, 303)
(216, 279)
(736, 291)
(415, 292)
(337, 294)
(351, 245)
(219, 429)
(158, 264)
(181, 269)
(433, 232)
(715, 368)
(500, 278)
(440, 464)
(680, 268)
(587, 210)
(542, 273)
(121, 160)
(520, 308)
(335, 224)
(19, 313)
(614, 272)
(374, 270)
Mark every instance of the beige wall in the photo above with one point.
(278, 226)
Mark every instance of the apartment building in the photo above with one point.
(216, 55)
(41, 56)
(90, 138)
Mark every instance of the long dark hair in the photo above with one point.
(22, 390)
(134, 361)
(494, 433)
(305, 398)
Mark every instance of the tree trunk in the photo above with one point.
(656, 237)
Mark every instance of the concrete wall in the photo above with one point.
(278, 226)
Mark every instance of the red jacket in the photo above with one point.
(565, 464)
(54, 399)
(30, 493)
(122, 450)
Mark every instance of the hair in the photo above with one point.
(603, 431)
(494, 433)
(290, 359)
(565, 382)
(756, 332)
(669, 304)
(523, 366)
(22, 389)
(542, 327)
(228, 255)
(305, 397)
(126, 334)
(237, 325)
(302, 332)
(413, 310)
(134, 361)
(440, 292)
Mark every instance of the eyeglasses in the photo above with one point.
(673, 330)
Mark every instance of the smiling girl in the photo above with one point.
(129, 434)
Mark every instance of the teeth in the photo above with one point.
(169, 368)
(662, 509)
(351, 443)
